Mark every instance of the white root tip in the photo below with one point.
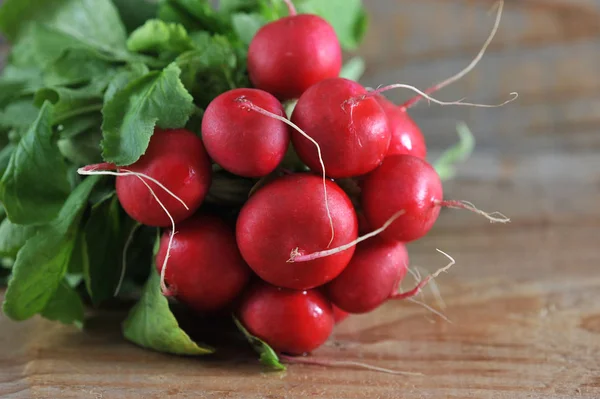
(493, 217)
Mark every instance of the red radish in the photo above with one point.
(289, 214)
(245, 143)
(290, 321)
(339, 315)
(205, 269)
(371, 277)
(177, 159)
(402, 182)
(291, 54)
(406, 137)
(352, 132)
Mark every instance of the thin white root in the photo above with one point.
(142, 177)
(414, 272)
(163, 286)
(513, 95)
(432, 310)
(127, 172)
(493, 217)
(470, 67)
(445, 268)
(263, 111)
(415, 291)
(346, 363)
(295, 255)
(435, 290)
(124, 257)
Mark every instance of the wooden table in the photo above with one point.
(523, 298)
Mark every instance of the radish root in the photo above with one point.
(493, 217)
(291, 7)
(124, 257)
(355, 100)
(97, 170)
(415, 291)
(345, 363)
(432, 310)
(296, 256)
(247, 103)
(413, 101)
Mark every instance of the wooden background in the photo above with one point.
(524, 298)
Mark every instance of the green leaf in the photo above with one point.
(82, 149)
(92, 24)
(5, 155)
(79, 256)
(246, 25)
(124, 77)
(76, 66)
(227, 7)
(135, 12)
(445, 166)
(212, 69)
(105, 235)
(13, 237)
(353, 69)
(81, 124)
(348, 18)
(19, 114)
(151, 324)
(194, 15)
(130, 116)
(268, 357)
(35, 185)
(65, 306)
(42, 262)
(158, 36)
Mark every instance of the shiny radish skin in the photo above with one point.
(402, 182)
(353, 132)
(244, 142)
(290, 213)
(205, 270)
(289, 55)
(177, 159)
(374, 273)
(406, 136)
(290, 321)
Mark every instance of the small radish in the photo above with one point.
(290, 321)
(371, 277)
(339, 315)
(352, 131)
(245, 143)
(205, 269)
(402, 182)
(289, 55)
(177, 159)
(407, 184)
(288, 215)
(406, 137)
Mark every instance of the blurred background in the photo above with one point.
(538, 157)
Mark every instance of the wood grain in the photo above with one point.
(523, 298)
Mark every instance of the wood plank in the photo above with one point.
(522, 299)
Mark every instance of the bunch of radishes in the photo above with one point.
(291, 262)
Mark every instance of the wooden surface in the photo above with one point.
(523, 298)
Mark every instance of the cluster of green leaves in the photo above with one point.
(88, 81)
